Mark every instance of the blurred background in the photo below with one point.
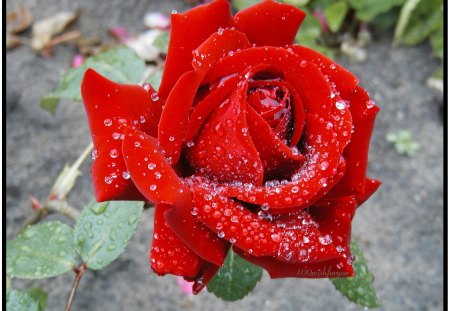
(394, 47)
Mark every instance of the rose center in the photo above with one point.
(272, 102)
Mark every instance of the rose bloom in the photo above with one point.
(251, 142)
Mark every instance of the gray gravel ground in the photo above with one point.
(400, 228)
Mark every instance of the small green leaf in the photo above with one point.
(359, 288)
(403, 142)
(297, 3)
(103, 230)
(367, 10)
(437, 42)
(235, 279)
(38, 295)
(49, 103)
(120, 64)
(243, 4)
(162, 42)
(41, 251)
(418, 20)
(17, 301)
(335, 15)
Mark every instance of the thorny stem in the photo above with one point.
(79, 271)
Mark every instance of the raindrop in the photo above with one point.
(125, 175)
(153, 187)
(151, 166)
(107, 122)
(325, 240)
(323, 165)
(341, 104)
(154, 97)
(113, 153)
(108, 180)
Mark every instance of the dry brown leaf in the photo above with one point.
(44, 30)
(12, 41)
(18, 20)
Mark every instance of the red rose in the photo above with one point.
(250, 142)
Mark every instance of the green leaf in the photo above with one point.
(297, 3)
(103, 230)
(359, 288)
(49, 103)
(41, 251)
(235, 279)
(120, 64)
(403, 142)
(17, 301)
(418, 20)
(386, 20)
(437, 42)
(243, 4)
(335, 15)
(162, 42)
(367, 10)
(38, 295)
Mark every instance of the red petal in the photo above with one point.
(277, 158)
(304, 76)
(292, 240)
(370, 186)
(357, 152)
(337, 267)
(224, 150)
(334, 217)
(207, 273)
(194, 234)
(296, 105)
(344, 79)
(270, 23)
(206, 106)
(315, 176)
(109, 106)
(175, 115)
(217, 46)
(149, 170)
(168, 254)
(188, 31)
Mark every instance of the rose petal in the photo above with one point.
(109, 106)
(305, 77)
(356, 153)
(224, 150)
(149, 170)
(207, 273)
(337, 267)
(344, 79)
(169, 254)
(297, 107)
(323, 161)
(270, 23)
(277, 159)
(370, 186)
(194, 234)
(294, 239)
(188, 31)
(206, 106)
(175, 114)
(217, 46)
